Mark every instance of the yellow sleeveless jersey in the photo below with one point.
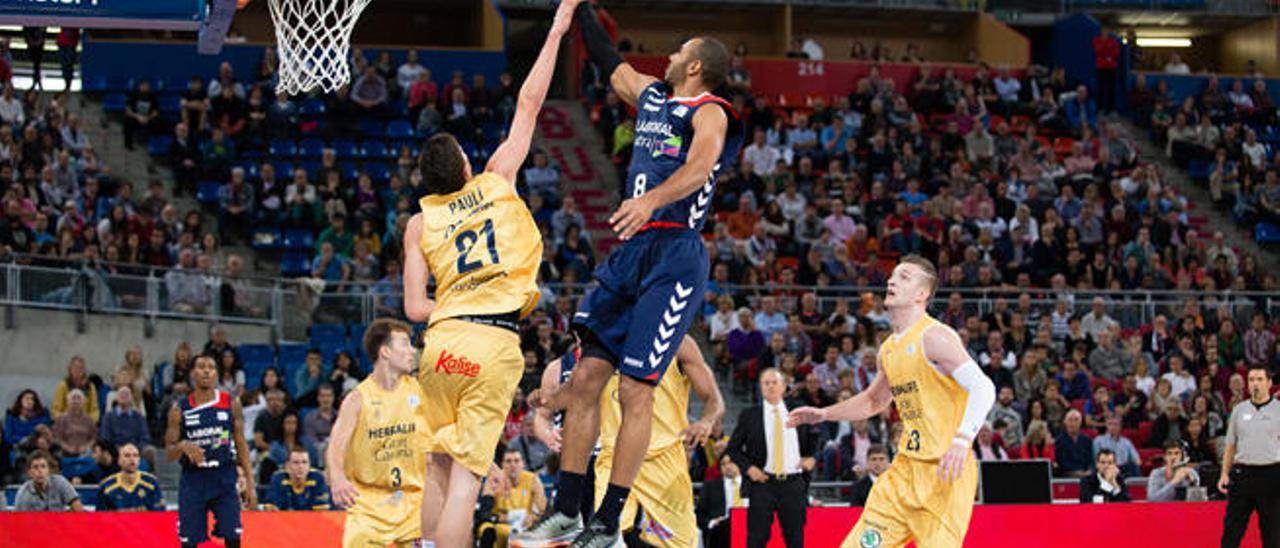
(386, 457)
(520, 497)
(483, 248)
(670, 412)
(930, 403)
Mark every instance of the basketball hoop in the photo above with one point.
(312, 38)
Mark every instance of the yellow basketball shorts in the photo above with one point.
(910, 502)
(663, 490)
(469, 373)
(364, 531)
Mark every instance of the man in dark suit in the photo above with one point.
(717, 499)
(877, 464)
(1105, 484)
(777, 460)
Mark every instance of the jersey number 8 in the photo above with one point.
(642, 181)
(466, 241)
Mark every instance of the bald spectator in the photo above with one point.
(125, 424)
(186, 287)
(1072, 448)
(46, 490)
(1097, 321)
(74, 431)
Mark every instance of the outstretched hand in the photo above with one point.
(805, 415)
(564, 16)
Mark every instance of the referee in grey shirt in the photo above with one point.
(1251, 464)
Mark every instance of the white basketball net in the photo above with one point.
(312, 38)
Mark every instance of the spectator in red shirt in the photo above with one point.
(1106, 58)
(743, 221)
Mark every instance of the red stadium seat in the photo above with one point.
(1089, 432)
(1144, 434)
(789, 262)
(996, 120)
(1078, 404)
(1062, 146)
(1138, 492)
(1066, 490)
(1019, 123)
(1151, 458)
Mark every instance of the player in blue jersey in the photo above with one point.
(206, 433)
(650, 288)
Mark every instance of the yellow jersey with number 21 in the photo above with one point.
(483, 248)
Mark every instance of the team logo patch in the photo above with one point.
(222, 415)
(870, 539)
(680, 111)
(911, 349)
(413, 401)
(450, 364)
(668, 147)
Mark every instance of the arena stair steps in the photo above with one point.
(595, 197)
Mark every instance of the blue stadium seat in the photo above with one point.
(395, 147)
(377, 150)
(77, 466)
(177, 84)
(400, 129)
(372, 128)
(267, 238)
(158, 145)
(170, 104)
(292, 358)
(322, 333)
(311, 167)
(312, 107)
(89, 494)
(207, 192)
(349, 172)
(378, 171)
(295, 263)
(1199, 169)
(282, 148)
(345, 149)
(250, 168)
(256, 358)
(113, 103)
(158, 376)
(283, 169)
(311, 148)
(256, 352)
(357, 334)
(119, 84)
(299, 239)
(93, 84)
(1266, 233)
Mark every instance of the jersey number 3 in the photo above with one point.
(466, 241)
(395, 478)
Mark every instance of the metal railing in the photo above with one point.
(289, 306)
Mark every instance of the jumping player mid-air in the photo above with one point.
(661, 505)
(943, 398)
(650, 287)
(477, 238)
(376, 458)
(206, 434)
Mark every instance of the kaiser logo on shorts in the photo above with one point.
(870, 539)
(456, 365)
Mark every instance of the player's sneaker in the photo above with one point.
(596, 536)
(552, 530)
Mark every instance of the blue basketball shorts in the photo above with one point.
(204, 491)
(649, 291)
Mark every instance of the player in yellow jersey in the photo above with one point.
(514, 503)
(660, 508)
(943, 397)
(476, 237)
(376, 455)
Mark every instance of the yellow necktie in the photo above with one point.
(737, 494)
(777, 442)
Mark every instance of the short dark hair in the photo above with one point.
(1102, 452)
(714, 58)
(441, 165)
(1260, 367)
(877, 449)
(379, 334)
(1173, 445)
(44, 455)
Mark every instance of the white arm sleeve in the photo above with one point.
(982, 394)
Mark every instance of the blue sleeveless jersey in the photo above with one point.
(210, 426)
(664, 134)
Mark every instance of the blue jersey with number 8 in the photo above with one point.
(664, 134)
